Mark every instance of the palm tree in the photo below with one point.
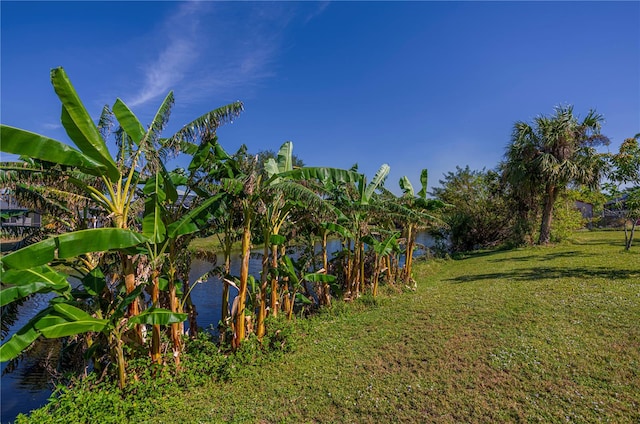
(555, 151)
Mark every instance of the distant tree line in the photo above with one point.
(530, 196)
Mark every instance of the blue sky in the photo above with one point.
(412, 84)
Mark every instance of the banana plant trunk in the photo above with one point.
(118, 352)
(361, 273)
(354, 268)
(275, 303)
(192, 313)
(175, 328)
(225, 290)
(130, 283)
(325, 299)
(264, 281)
(376, 275)
(155, 329)
(409, 254)
(239, 319)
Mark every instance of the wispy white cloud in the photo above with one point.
(177, 57)
(217, 50)
(49, 126)
(317, 11)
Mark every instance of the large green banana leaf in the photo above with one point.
(271, 168)
(424, 179)
(158, 316)
(79, 125)
(406, 187)
(153, 226)
(337, 228)
(333, 175)
(187, 224)
(70, 245)
(67, 320)
(94, 282)
(320, 278)
(377, 180)
(26, 143)
(285, 157)
(25, 282)
(128, 121)
(21, 339)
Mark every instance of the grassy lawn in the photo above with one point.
(549, 334)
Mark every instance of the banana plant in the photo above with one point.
(296, 278)
(417, 214)
(28, 271)
(382, 249)
(357, 203)
(118, 193)
(167, 223)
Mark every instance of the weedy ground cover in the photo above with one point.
(545, 334)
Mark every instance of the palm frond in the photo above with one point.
(206, 125)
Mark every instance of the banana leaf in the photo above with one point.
(67, 320)
(188, 223)
(128, 121)
(157, 316)
(406, 187)
(25, 282)
(22, 339)
(285, 157)
(377, 180)
(79, 125)
(153, 226)
(320, 278)
(70, 245)
(26, 143)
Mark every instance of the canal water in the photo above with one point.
(27, 387)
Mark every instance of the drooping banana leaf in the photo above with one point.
(94, 282)
(207, 124)
(26, 143)
(67, 320)
(157, 316)
(337, 228)
(187, 224)
(70, 245)
(22, 339)
(25, 282)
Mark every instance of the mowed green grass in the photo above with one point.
(549, 334)
(546, 334)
